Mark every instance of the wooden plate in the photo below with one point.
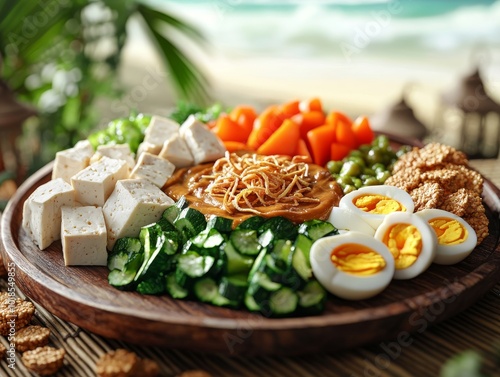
(81, 295)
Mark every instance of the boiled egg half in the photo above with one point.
(352, 266)
(456, 238)
(344, 219)
(411, 241)
(373, 203)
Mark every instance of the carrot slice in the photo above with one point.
(362, 130)
(244, 116)
(291, 108)
(265, 124)
(302, 150)
(313, 104)
(338, 151)
(283, 141)
(228, 130)
(308, 121)
(345, 135)
(235, 146)
(336, 116)
(320, 140)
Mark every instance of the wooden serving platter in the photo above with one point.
(82, 296)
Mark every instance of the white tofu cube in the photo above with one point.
(155, 169)
(177, 152)
(116, 151)
(83, 236)
(133, 204)
(205, 146)
(94, 184)
(159, 130)
(70, 161)
(42, 211)
(146, 147)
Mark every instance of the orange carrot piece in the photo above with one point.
(244, 116)
(228, 130)
(265, 124)
(236, 146)
(302, 150)
(362, 130)
(345, 135)
(320, 140)
(336, 116)
(308, 121)
(291, 108)
(338, 151)
(283, 141)
(313, 104)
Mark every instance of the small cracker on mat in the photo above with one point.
(14, 311)
(44, 360)
(124, 363)
(31, 337)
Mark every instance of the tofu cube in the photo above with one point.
(70, 161)
(42, 211)
(147, 147)
(116, 151)
(83, 236)
(155, 169)
(94, 184)
(159, 130)
(205, 146)
(177, 152)
(133, 204)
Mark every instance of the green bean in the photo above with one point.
(370, 164)
(351, 168)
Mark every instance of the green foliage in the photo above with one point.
(62, 57)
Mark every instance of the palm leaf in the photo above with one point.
(189, 81)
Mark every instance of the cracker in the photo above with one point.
(31, 337)
(119, 363)
(44, 360)
(17, 311)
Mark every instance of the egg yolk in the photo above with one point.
(405, 244)
(378, 204)
(449, 231)
(357, 259)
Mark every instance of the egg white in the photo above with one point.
(373, 219)
(345, 219)
(345, 285)
(429, 242)
(451, 254)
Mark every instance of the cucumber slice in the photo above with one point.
(233, 287)
(194, 217)
(206, 289)
(245, 241)
(174, 289)
(281, 227)
(283, 302)
(312, 298)
(316, 229)
(121, 279)
(300, 257)
(222, 224)
(252, 223)
(236, 263)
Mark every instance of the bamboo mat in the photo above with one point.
(477, 328)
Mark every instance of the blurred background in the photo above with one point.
(419, 68)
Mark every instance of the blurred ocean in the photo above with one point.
(326, 28)
(358, 56)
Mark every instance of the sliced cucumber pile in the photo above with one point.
(262, 264)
